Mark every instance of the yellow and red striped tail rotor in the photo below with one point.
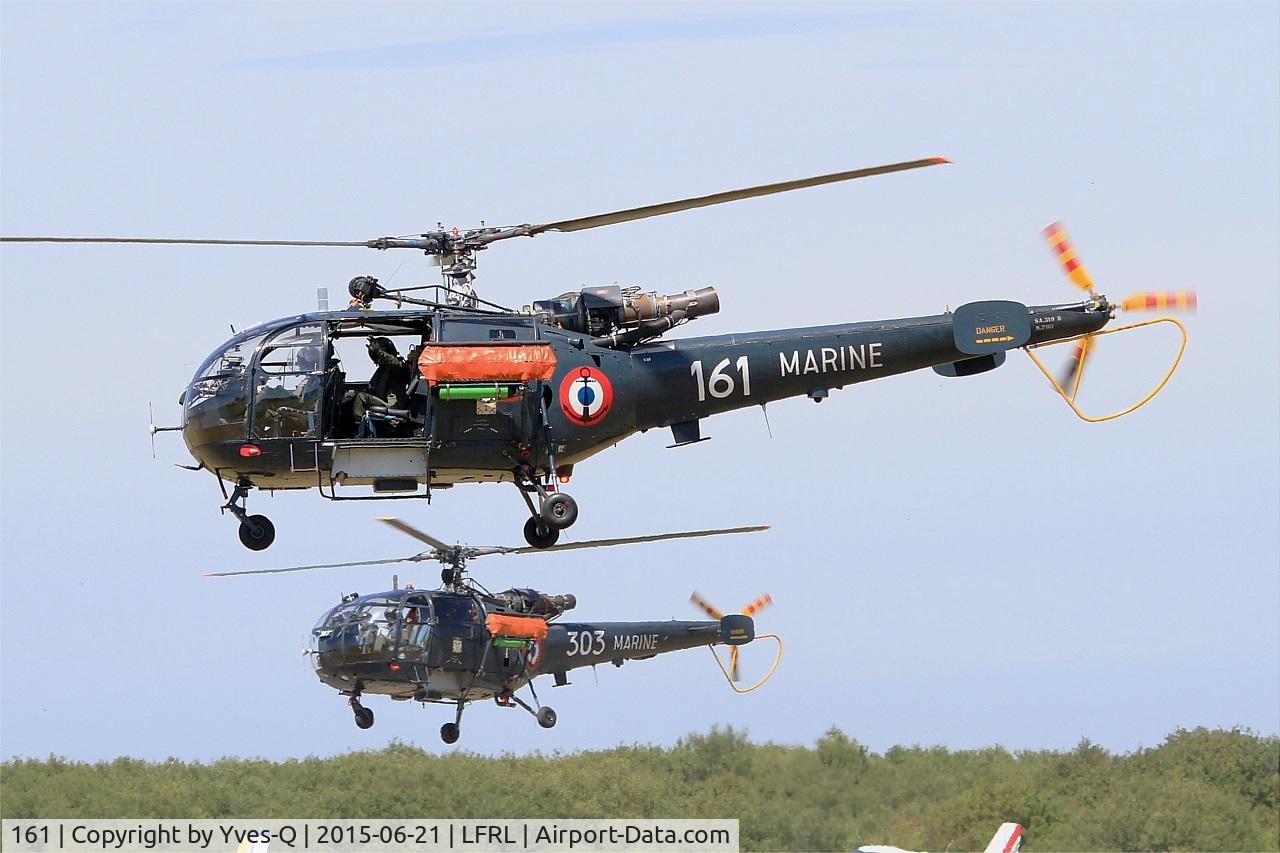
(1161, 300)
(1068, 381)
(715, 613)
(1065, 250)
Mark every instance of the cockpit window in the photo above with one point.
(288, 381)
(455, 609)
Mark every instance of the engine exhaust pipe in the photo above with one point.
(651, 306)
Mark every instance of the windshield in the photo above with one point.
(216, 403)
(377, 627)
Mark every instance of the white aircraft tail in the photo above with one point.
(1008, 839)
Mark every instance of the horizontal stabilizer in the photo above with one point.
(970, 366)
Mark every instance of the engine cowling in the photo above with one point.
(535, 603)
(621, 313)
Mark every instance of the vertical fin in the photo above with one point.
(1008, 839)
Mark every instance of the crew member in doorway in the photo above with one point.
(390, 381)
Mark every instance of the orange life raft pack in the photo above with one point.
(508, 625)
(486, 362)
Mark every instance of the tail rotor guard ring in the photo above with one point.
(1070, 399)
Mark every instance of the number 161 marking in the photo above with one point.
(720, 383)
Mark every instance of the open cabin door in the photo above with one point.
(377, 431)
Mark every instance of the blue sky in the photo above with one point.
(959, 562)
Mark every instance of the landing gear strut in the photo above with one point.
(554, 512)
(256, 531)
(450, 732)
(545, 714)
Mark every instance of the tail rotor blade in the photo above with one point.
(759, 604)
(1060, 243)
(1071, 376)
(1161, 300)
(705, 606)
(733, 663)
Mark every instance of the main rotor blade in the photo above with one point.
(433, 244)
(481, 552)
(181, 241)
(416, 558)
(632, 540)
(720, 198)
(409, 529)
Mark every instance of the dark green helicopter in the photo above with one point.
(491, 394)
(461, 643)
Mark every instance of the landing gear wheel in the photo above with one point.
(560, 511)
(364, 717)
(449, 732)
(539, 534)
(257, 532)
(546, 717)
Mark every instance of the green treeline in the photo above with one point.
(1199, 790)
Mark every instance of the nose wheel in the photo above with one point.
(450, 732)
(364, 716)
(256, 531)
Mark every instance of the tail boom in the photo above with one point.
(679, 382)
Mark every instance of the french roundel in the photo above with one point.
(586, 395)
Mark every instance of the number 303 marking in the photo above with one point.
(586, 643)
(720, 384)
